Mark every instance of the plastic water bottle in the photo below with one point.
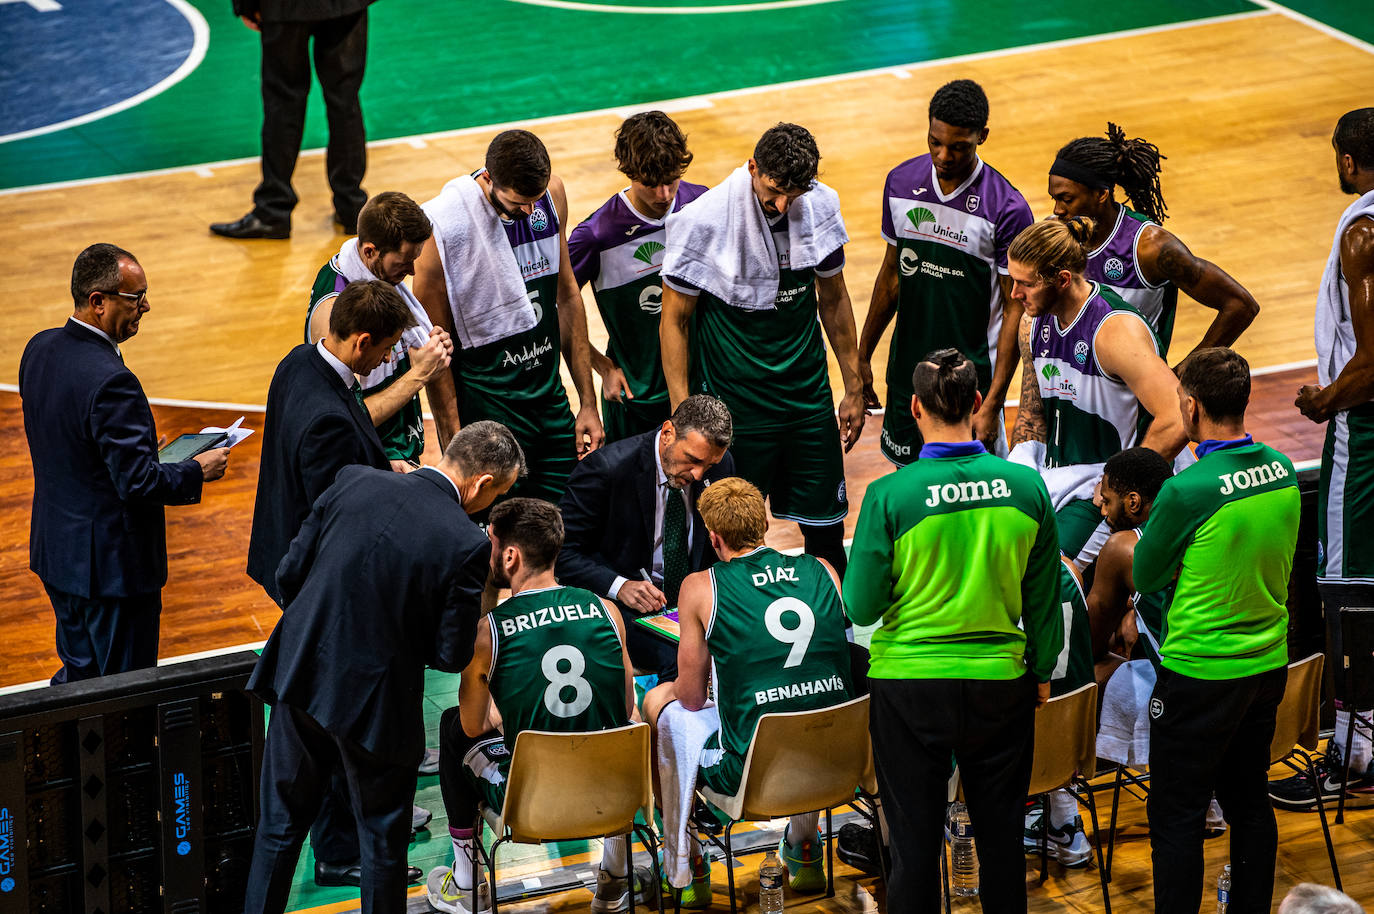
(962, 853)
(772, 877)
(1224, 889)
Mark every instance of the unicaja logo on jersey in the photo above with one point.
(1051, 372)
(539, 220)
(1114, 269)
(908, 262)
(647, 250)
(919, 216)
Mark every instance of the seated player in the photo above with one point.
(772, 628)
(549, 658)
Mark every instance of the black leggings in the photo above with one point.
(460, 799)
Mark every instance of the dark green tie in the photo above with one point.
(358, 394)
(674, 545)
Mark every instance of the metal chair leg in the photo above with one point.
(646, 837)
(1345, 769)
(1326, 829)
(944, 872)
(730, 867)
(830, 857)
(1044, 837)
(1097, 842)
(491, 871)
(1111, 829)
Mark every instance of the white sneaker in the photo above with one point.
(444, 894)
(613, 892)
(419, 817)
(1069, 844)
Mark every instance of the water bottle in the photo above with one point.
(772, 877)
(1224, 889)
(962, 853)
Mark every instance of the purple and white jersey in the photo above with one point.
(1114, 265)
(535, 239)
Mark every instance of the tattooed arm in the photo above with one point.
(1030, 414)
(1163, 258)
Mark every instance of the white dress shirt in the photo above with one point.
(345, 373)
(98, 332)
(661, 490)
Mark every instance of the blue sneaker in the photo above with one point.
(697, 895)
(805, 864)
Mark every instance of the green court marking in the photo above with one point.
(443, 66)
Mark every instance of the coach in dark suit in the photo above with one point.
(630, 508)
(315, 423)
(97, 537)
(385, 578)
(338, 30)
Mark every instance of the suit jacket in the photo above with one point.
(385, 577)
(608, 515)
(314, 427)
(98, 527)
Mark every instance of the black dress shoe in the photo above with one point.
(250, 226)
(327, 874)
(858, 846)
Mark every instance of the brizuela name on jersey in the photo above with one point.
(550, 615)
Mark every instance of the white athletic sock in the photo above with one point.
(1063, 807)
(800, 828)
(463, 852)
(615, 854)
(1360, 755)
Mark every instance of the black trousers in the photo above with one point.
(920, 727)
(298, 763)
(1212, 736)
(340, 54)
(460, 799)
(97, 636)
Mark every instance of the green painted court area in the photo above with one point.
(467, 63)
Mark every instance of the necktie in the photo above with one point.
(674, 545)
(358, 394)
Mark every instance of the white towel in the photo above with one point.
(486, 292)
(722, 242)
(1334, 331)
(350, 264)
(1065, 484)
(681, 736)
(1123, 730)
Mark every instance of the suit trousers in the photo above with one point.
(97, 636)
(298, 764)
(920, 728)
(1212, 736)
(340, 54)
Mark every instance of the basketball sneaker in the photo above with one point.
(1298, 792)
(805, 864)
(697, 895)
(612, 893)
(444, 894)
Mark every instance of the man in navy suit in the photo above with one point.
(384, 579)
(98, 538)
(630, 508)
(316, 424)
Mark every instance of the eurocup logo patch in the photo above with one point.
(971, 204)
(539, 220)
(1080, 352)
(1156, 709)
(1114, 269)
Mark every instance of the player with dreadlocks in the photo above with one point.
(1129, 252)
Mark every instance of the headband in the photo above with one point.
(1082, 174)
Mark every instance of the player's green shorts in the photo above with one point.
(486, 766)
(627, 418)
(1345, 551)
(799, 469)
(901, 440)
(720, 770)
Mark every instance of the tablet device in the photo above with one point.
(664, 624)
(184, 447)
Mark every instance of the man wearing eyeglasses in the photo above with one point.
(98, 539)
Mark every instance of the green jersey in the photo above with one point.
(403, 435)
(1151, 609)
(1089, 414)
(776, 639)
(1228, 526)
(767, 365)
(556, 663)
(957, 553)
(1073, 667)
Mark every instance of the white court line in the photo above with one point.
(672, 10)
(713, 97)
(1316, 24)
(200, 43)
(181, 658)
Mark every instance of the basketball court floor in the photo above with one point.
(136, 123)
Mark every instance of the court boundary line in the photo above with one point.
(1329, 30)
(588, 7)
(200, 44)
(901, 71)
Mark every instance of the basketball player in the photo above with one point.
(762, 353)
(549, 658)
(1091, 369)
(1129, 252)
(1343, 398)
(506, 351)
(769, 630)
(948, 218)
(619, 250)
